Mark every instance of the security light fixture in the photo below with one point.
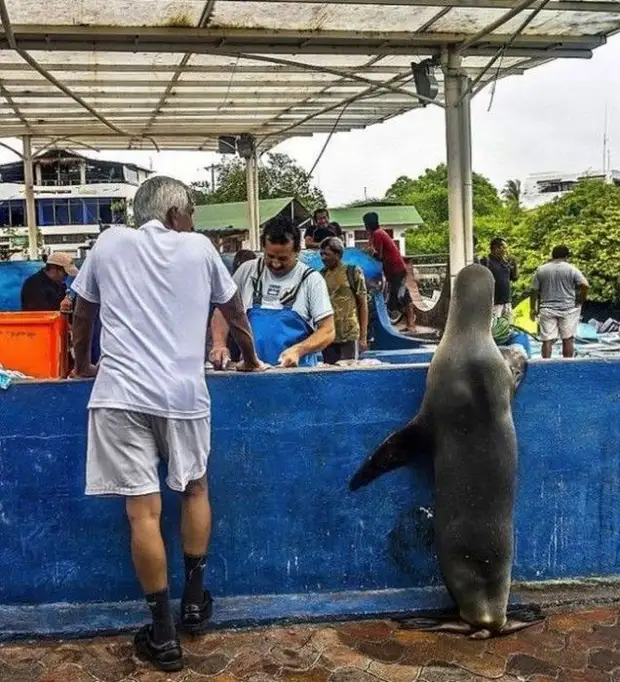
(425, 82)
(226, 144)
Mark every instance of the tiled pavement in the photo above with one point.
(575, 646)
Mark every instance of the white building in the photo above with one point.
(74, 195)
(542, 188)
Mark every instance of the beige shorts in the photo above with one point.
(125, 449)
(558, 324)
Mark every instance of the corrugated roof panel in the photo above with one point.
(275, 69)
(321, 16)
(351, 217)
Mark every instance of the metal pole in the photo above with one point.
(251, 174)
(31, 220)
(451, 63)
(468, 201)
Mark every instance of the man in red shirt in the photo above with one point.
(382, 246)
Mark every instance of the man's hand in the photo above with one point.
(66, 305)
(219, 357)
(290, 357)
(363, 345)
(88, 372)
(532, 315)
(256, 366)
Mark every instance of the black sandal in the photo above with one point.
(195, 616)
(165, 656)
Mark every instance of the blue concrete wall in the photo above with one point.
(284, 447)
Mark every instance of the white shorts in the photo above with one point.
(503, 310)
(125, 449)
(562, 324)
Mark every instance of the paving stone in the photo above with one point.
(528, 666)
(370, 631)
(472, 655)
(351, 675)
(28, 672)
(316, 674)
(22, 654)
(451, 673)
(583, 619)
(604, 659)
(67, 672)
(206, 665)
(393, 672)
(341, 656)
(388, 652)
(148, 674)
(249, 662)
(300, 658)
(324, 638)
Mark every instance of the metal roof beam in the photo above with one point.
(204, 19)
(236, 41)
(556, 5)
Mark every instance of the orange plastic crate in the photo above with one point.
(35, 343)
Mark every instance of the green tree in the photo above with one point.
(512, 192)
(587, 220)
(278, 176)
(429, 194)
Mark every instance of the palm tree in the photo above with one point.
(512, 191)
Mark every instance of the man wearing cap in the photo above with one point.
(46, 289)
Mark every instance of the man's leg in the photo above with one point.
(569, 326)
(185, 444)
(548, 331)
(195, 533)
(568, 348)
(149, 559)
(122, 460)
(406, 303)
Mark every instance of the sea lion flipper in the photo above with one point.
(396, 451)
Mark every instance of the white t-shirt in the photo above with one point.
(155, 288)
(312, 302)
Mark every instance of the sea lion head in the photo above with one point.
(471, 304)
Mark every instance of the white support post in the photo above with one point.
(31, 219)
(251, 174)
(468, 201)
(451, 64)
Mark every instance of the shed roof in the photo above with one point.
(233, 216)
(396, 215)
(178, 73)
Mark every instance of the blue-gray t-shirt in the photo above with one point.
(557, 283)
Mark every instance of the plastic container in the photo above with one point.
(35, 343)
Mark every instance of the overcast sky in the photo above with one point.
(551, 118)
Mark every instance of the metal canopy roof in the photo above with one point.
(178, 73)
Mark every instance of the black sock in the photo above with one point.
(163, 623)
(194, 572)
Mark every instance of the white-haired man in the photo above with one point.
(150, 400)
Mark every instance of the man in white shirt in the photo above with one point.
(153, 288)
(287, 303)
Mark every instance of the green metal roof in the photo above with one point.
(234, 216)
(388, 215)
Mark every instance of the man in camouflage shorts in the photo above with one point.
(347, 292)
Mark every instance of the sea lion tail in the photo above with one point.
(396, 451)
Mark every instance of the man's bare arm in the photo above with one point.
(82, 331)
(231, 317)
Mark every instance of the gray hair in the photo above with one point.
(156, 196)
(333, 244)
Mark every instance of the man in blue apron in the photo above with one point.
(287, 303)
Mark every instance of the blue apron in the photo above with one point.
(276, 330)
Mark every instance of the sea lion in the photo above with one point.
(465, 422)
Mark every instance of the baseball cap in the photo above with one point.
(64, 261)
